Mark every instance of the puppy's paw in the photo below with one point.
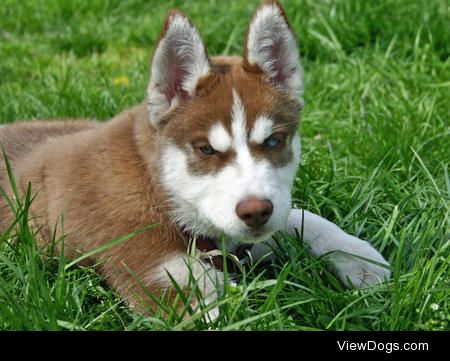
(359, 264)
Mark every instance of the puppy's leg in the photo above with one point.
(189, 272)
(343, 251)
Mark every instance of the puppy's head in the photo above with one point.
(228, 127)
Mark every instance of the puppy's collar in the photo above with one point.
(211, 254)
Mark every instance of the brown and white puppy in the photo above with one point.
(210, 154)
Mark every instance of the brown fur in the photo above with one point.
(189, 124)
(101, 181)
(103, 178)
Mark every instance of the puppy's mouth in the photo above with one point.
(255, 236)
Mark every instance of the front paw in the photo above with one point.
(359, 265)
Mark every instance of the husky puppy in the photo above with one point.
(210, 155)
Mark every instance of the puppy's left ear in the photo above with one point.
(271, 48)
(180, 60)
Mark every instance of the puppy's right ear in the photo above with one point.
(272, 49)
(178, 63)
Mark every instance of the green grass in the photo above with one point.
(376, 155)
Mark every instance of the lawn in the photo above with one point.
(376, 155)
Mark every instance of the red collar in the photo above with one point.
(206, 244)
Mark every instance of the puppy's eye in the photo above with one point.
(271, 142)
(207, 150)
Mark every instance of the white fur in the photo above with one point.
(268, 31)
(219, 138)
(323, 237)
(262, 129)
(206, 204)
(181, 43)
(238, 123)
(187, 271)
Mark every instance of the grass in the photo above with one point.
(375, 133)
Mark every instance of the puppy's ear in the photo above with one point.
(271, 48)
(179, 61)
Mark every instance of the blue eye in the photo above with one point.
(207, 149)
(271, 142)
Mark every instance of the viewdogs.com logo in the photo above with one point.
(387, 347)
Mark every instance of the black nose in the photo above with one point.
(254, 212)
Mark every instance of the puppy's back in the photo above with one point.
(20, 138)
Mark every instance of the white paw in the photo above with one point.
(212, 315)
(348, 266)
